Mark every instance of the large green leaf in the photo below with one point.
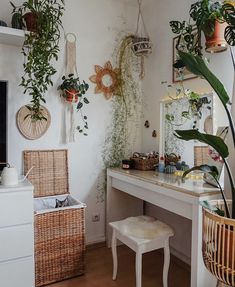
(212, 170)
(214, 141)
(206, 204)
(197, 66)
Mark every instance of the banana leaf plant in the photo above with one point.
(213, 172)
(196, 65)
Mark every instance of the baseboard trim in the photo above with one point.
(181, 258)
(93, 245)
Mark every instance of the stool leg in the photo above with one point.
(138, 268)
(166, 263)
(114, 253)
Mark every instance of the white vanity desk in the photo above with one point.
(126, 190)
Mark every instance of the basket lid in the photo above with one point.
(50, 173)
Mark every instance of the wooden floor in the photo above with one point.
(99, 270)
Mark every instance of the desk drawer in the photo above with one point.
(16, 242)
(17, 273)
(16, 208)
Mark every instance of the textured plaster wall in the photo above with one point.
(97, 25)
(159, 68)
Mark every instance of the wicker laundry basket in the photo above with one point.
(59, 233)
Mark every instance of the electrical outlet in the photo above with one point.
(96, 217)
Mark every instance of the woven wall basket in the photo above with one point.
(32, 130)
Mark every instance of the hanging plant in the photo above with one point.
(141, 43)
(73, 91)
(125, 124)
(40, 49)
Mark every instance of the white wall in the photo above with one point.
(96, 24)
(159, 68)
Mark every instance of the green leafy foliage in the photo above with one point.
(72, 83)
(213, 172)
(206, 204)
(40, 49)
(126, 106)
(205, 13)
(214, 141)
(197, 66)
(229, 16)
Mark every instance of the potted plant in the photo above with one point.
(73, 91)
(219, 216)
(214, 19)
(40, 49)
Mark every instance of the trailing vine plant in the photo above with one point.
(126, 111)
(40, 49)
(126, 107)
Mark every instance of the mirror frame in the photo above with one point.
(162, 119)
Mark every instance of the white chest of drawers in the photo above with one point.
(16, 236)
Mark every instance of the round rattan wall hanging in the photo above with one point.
(30, 129)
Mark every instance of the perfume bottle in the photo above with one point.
(161, 165)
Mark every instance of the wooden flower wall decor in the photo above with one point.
(106, 80)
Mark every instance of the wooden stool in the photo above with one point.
(155, 235)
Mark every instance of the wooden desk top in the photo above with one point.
(197, 188)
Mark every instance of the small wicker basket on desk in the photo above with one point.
(59, 233)
(144, 164)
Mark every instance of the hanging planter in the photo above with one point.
(141, 44)
(72, 90)
(216, 42)
(71, 95)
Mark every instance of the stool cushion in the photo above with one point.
(145, 227)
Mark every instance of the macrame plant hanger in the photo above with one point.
(71, 68)
(142, 45)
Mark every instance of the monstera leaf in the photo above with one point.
(229, 35)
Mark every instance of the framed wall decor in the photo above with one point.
(182, 73)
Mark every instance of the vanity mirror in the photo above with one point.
(183, 114)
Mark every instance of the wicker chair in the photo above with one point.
(59, 235)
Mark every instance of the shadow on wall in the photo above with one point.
(182, 228)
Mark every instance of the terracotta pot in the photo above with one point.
(31, 22)
(71, 96)
(216, 43)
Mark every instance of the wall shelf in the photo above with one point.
(10, 36)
